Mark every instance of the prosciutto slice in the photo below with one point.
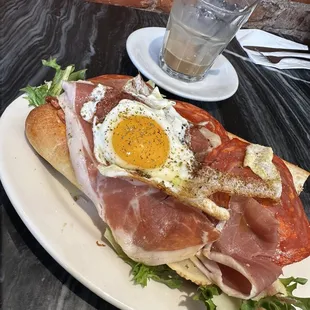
(150, 227)
(240, 261)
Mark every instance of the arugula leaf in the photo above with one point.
(206, 294)
(291, 283)
(142, 273)
(248, 305)
(60, 75)
(51, 63)
(77, 75)
(267, 303)
(162, 273)
(36, 94)
(278, 301)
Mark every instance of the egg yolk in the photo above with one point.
(141, 141)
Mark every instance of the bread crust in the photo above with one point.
(47, 135)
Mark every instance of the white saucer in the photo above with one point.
(143, 47)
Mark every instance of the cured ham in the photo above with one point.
(203, 141)
(240, 261)
(151, 227)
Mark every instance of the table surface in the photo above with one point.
(269, 108)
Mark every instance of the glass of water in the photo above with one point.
(197, 32)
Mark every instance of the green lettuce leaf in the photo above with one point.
(141, 273)
(206, 294)
(291, 284)
(280, 302)
(162, 273)
(36, 94)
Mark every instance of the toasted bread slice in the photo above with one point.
(187, 270)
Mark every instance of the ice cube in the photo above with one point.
(204, 12)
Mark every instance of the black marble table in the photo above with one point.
(269, 108)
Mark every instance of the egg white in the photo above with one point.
(180, 161)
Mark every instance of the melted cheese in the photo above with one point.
(214, 139)
(259, 159)
(89, 108)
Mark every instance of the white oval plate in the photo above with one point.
(143, 47)
(69, 229)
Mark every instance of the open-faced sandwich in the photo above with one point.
(182, 197)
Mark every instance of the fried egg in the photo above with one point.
(137, 138)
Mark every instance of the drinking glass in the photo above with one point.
(197, 32)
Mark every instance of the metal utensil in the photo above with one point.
(270, 49)
(277, 59)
